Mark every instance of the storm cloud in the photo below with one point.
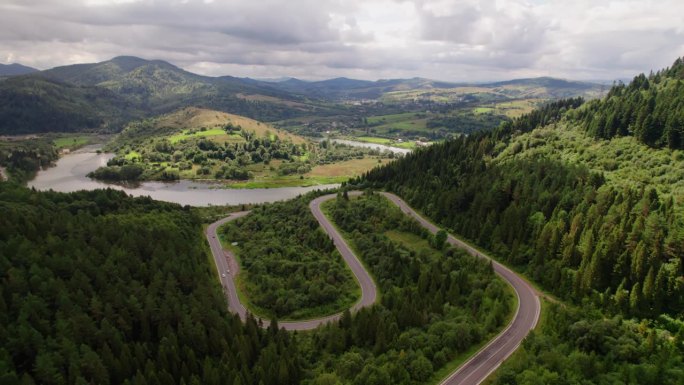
(464, 40)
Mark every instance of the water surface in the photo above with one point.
(376, 146)
(69, 174)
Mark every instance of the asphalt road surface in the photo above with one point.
(473, 371)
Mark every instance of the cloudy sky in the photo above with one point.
(457, 40)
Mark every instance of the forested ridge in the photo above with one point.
(615, 248)
(101, 288)
(650, 108)
(568, 228)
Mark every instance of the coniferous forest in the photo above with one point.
(101, 288)
(436, 302)
(601, 244)
(651, 108)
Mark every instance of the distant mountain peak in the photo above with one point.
(129, 63)
(15, 69)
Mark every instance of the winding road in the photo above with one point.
(473, 371)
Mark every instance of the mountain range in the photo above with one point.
(103, 96)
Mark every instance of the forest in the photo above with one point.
(614, 245)
(87, 298)
(559, 222)
(583, 346)
(101, 288)
(436, 302)
(291, 269)
(24, 158)
(650, 108)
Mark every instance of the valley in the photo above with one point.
(163, 222)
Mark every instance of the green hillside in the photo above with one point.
(104, 96)
(101, 288)
(650, 108)
(32, 104)
(159, 86)
(547, 205)
(596, 222)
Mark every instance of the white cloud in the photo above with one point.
(444, 39)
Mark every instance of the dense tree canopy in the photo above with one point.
(23, 158)
(291, 268)
(617, 247)
(650, 108)
(435, 303)
(101, 288)
(582, 346)
(562, 223)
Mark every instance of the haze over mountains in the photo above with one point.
(103, 96)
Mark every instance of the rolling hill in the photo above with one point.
(408, 89)
(104, 96)
(585, 199)
(194, 119)
(32, 104)
(15, 69)
(160, 86)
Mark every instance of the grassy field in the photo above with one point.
(71, 141)
(319, 175)
(483, 110)
(392, 118)
(195, 134)
(373, 139)
(397, 124)
(192, 118)
(349, 168)
(517, 108)
(133, 155)
(413, 242)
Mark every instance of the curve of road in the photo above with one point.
(473, 371)
(228, 268)
(487, 359)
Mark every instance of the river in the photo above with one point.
(69, 174)
(376, 146)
